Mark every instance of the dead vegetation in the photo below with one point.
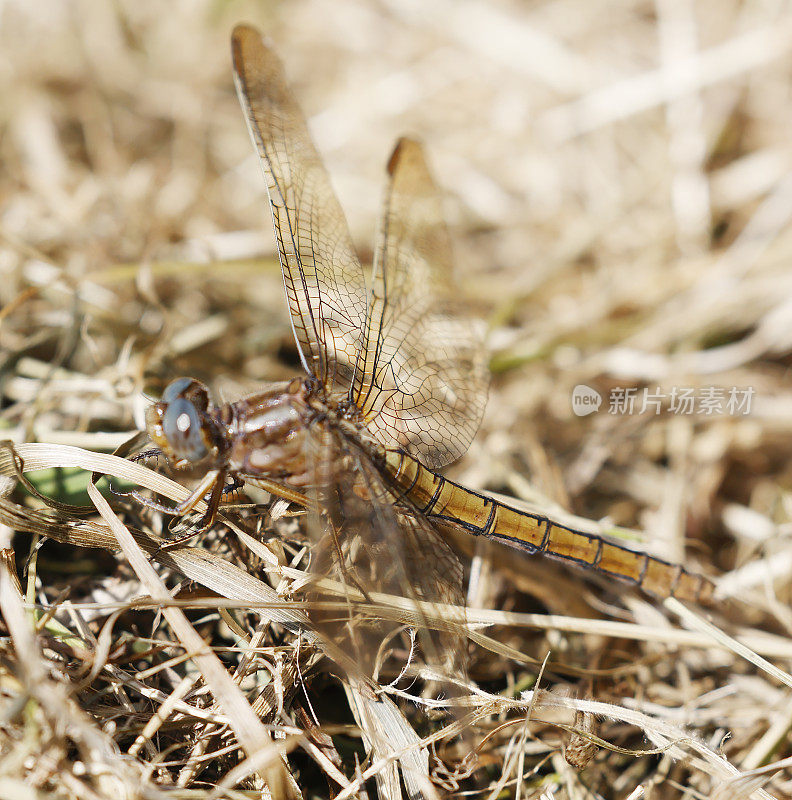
(620, 193)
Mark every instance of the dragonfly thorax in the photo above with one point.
(267, 431)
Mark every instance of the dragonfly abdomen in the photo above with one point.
(480, 515)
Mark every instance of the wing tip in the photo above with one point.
(406, 147)
(244, 35)
(249, 46)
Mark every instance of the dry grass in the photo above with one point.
(620, 189)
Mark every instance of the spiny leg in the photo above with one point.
(208, 483)
(207, 518)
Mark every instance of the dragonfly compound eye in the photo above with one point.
(189, 389)
(183, 430)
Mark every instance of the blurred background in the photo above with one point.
(618, 178)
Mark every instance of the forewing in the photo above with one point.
(325, 283)
(421, 379)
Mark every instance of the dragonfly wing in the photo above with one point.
(325, 283)
(389, 569)
(422, 379)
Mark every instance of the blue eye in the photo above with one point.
(175, 389)
(183, 429)
(189, 389)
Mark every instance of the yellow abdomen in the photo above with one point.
(440, 498)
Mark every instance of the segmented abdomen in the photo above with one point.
(443, 499)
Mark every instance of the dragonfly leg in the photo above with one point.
(235, 484)
(142, 456)
(208, 482)
(153, 452)
(279, 490)
(207, 518)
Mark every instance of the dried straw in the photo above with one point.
(619, 188)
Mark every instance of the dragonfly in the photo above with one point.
(394, 389)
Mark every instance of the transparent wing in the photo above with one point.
(387, 568)
(421, 380)
(325, 283)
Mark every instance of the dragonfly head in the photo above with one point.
(180, 425)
